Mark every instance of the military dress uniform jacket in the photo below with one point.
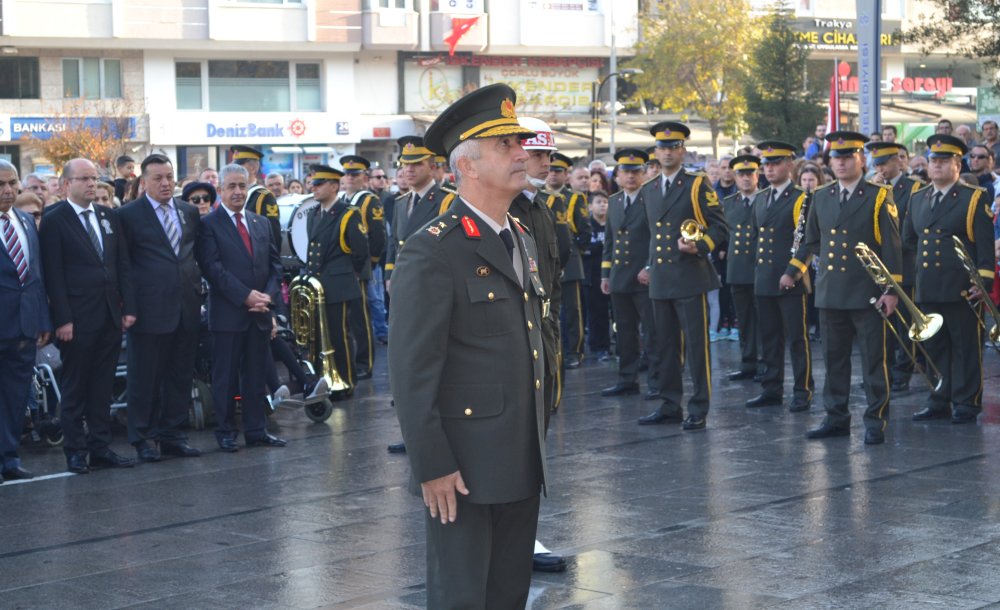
(964, 211)
(832, 231)
(373, 221)
(902, 192)
(261, 201)
(338, 250)
(626, 244)
(466, 312)
(430, 206)
(673, 274)
(740, 259)
(773, 231)
(578, 231)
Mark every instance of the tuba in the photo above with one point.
(970, 268)
(924, 326)
(691, 230)
(308, 321)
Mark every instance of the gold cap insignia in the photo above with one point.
(507, 109)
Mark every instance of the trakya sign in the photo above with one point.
(837, 34)
(938, 85)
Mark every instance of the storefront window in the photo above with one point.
(188, 74)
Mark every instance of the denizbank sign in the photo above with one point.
(228, 128)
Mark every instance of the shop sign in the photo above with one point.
(42, 128)
(939, 85)
(839, 34)
(227, 128)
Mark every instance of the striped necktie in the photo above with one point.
(14, 248)
(91, 233)
(173, 235)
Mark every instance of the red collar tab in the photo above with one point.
(471, 230)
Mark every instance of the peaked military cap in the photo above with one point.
(487, 112)
(745, 163)
(845, 143)
(559, 162)
(670, 134)
(242, 154)
(325, 173)
(940, 146)
(631, 158)
(354, 164)
(412, 149)
(773, 151)
(881, 152)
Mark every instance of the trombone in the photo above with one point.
(970, 268)
(691, 231)
(924, 326)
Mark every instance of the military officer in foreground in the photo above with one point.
(844, 213)
(626, 247)
(946, 208)
(740, 262)
(338, 251)
(260, 201)
(680, 274)
(778, 211)
(466, 364)
(354, 193)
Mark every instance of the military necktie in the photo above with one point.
(91, 233)
(844, 195)
(666, 186)
(937, 199)
(746, 202)
(173, 235)
(414, 200)
(508, 242)
(14, 247)
(772, 198)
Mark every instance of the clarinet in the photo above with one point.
(800, 227)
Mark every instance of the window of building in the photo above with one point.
(19, 78)
(371, 5)
(266, 1)
(248, 86)
(92, 78)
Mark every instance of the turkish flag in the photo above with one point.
(459, 27)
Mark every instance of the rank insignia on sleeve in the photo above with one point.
(378, 214)
(435, 231)
(471, 230)
(482, 271)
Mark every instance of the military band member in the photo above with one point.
(740, 262)
(260, 201)
(945, 208)
(781, 309)
(474, 429)
(424, 201)
(338, 251)
(680, 274)
(842, 214)
(889, 169)
(354, 193)
(626, 249)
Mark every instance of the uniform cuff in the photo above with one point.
(797, 264)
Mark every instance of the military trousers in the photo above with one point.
(633, 313)
(361, 330)
(745, 307)
(572, 321)
(840, 329)
(483, 560)
(957, 351)
(338, 325)
(682, 328)
(783, 322)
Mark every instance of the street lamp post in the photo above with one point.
(595, 94)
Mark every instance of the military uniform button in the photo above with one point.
(925, 242)
(833, 244)
(760, 261)
(843, 245)
(659, 261)
(658, 236)
(659, 249)
(659, 224)
(937, 253)
(617, 261)
(490, 296)
(924, 253)
(843, 270)
(534, 354)
(468, 411)
(618, 251)
(829, 267)
(538, 384)
(833, 231)
(926, 265)
(844, 257)
(927, 231)
(832, 255)
(525, 297)
(530, 325)
(736, 251)
(937, 264)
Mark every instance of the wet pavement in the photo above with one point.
(747, 514)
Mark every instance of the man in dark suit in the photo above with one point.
(626, 250)
(781, 309)
(740, 262)
(91, 301)
(22, 299)
(680, 275)
(949, 208)
(239, 258)
(842, 214)
(470, 297)
(161, 233)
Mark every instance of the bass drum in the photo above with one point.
(298, 232)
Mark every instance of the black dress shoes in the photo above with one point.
(930, 413)
(228, 445)
(737, 375)
(658, 417)
(77, 463)
(146, 452)
(874, 436)
(958, 417)
(109, 459)
(397, 448)
(828, 431)
(16, 474)
(179, 449)
(693, 422)
(621, 389)
(901, 385)
(268, 440)
(652, 394)
(362, 375)
(548, 562)
(799, 406)
(764, 401)
(573, 362)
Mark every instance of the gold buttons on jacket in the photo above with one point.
(534, 354)
(530, 325)
(538, 384)
(468, 411)
(525, 297)
(490, 296)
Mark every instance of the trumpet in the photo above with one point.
(924, 326)
(308, 320)
(691, 230)
(970, 268)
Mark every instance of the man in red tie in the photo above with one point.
(238, 257)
